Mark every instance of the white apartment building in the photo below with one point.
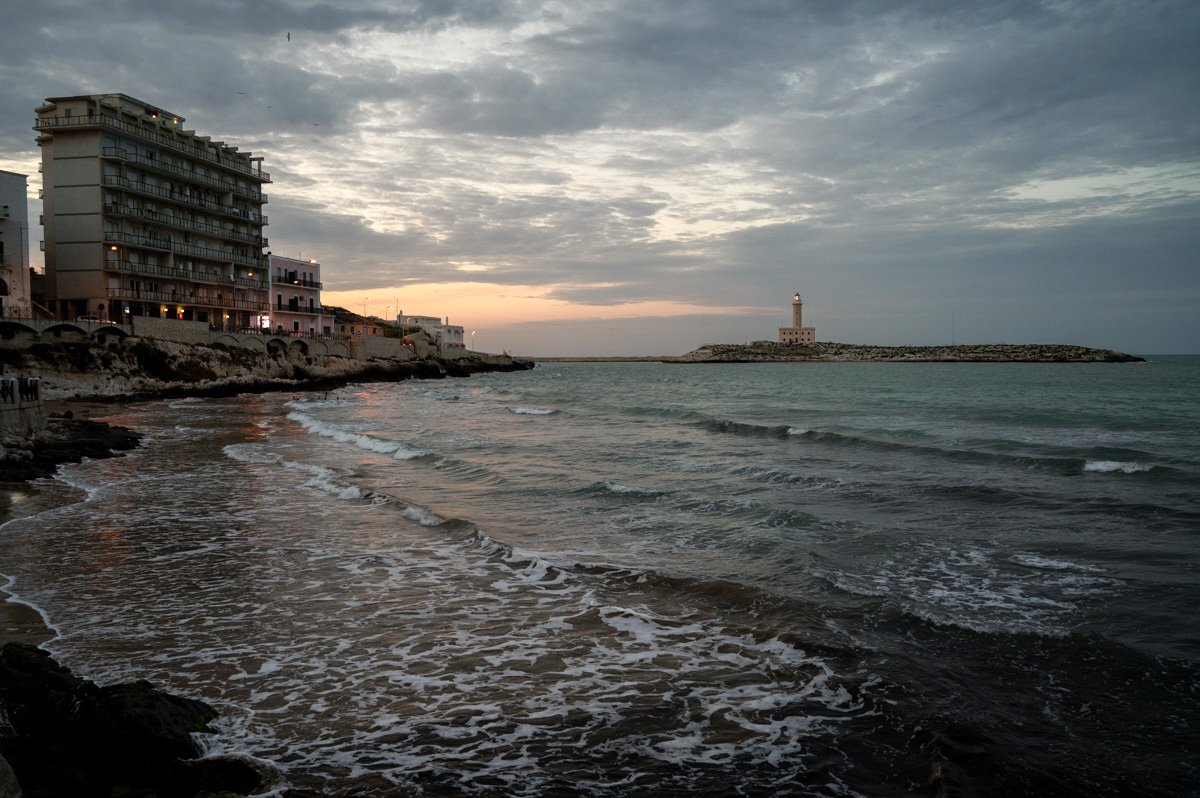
(296, 298)
(14, 246)
(447, 336)
(144, 218)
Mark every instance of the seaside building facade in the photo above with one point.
(296, 298)
(797, 333)
(144, 218)
(447, 335)
(14, 245)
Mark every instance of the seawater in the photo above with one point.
(658, 579)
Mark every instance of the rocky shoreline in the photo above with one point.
(65, 737)
(823, 352)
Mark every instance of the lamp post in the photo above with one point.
(472, 340)
(365, 315)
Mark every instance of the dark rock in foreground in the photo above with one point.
(64, 441)
(65, 736)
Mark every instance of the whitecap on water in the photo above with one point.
(1109, 466)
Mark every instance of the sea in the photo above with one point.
(656, 579)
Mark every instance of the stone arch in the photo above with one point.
(66, 331)
(100, 333)
(9, 328)
(298, 346)
(276, 348)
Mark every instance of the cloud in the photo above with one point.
(889, 159)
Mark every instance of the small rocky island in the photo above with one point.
(822, 352)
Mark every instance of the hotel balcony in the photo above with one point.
(174, 300)
(297, 283)
(172, 220)
(138, 187)
(288, 307)
(171, 273)
(52, 123)
(156, 165)
(167, 245)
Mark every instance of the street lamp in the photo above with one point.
(472, 340)
(365, 315)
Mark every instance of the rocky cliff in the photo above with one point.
(143, 368)
(771, 352)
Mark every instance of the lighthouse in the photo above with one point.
(797, 333)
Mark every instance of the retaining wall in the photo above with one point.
(21, 407)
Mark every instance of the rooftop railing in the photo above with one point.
(104, 120)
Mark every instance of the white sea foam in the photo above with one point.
(1035, 561)
(616, 487)
(1108, 466)
(531, 411)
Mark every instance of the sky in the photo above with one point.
(644, 177)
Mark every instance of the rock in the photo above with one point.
(9, 788)
(65, 736)
(772, 352)
(64, 441)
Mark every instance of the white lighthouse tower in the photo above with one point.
(797, 333)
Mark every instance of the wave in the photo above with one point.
(1111, 466)
(980, 589)
(370, 443)
(531, 411)
(602, 488)
(746, 428)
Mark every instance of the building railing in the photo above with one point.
(174, 220)
(166, 299)
(103, 120)
(158, 242)
(174, 196)
(155, 270)
(179, 171)
(23, 389)
(286, 307)
(283, 282)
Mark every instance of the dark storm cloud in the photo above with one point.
(885, 154)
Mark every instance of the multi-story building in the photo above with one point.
(14, 245)
(296, 297)
(144, 218)
(797, 333)
(448, 336)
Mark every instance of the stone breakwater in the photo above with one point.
(771, 352)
